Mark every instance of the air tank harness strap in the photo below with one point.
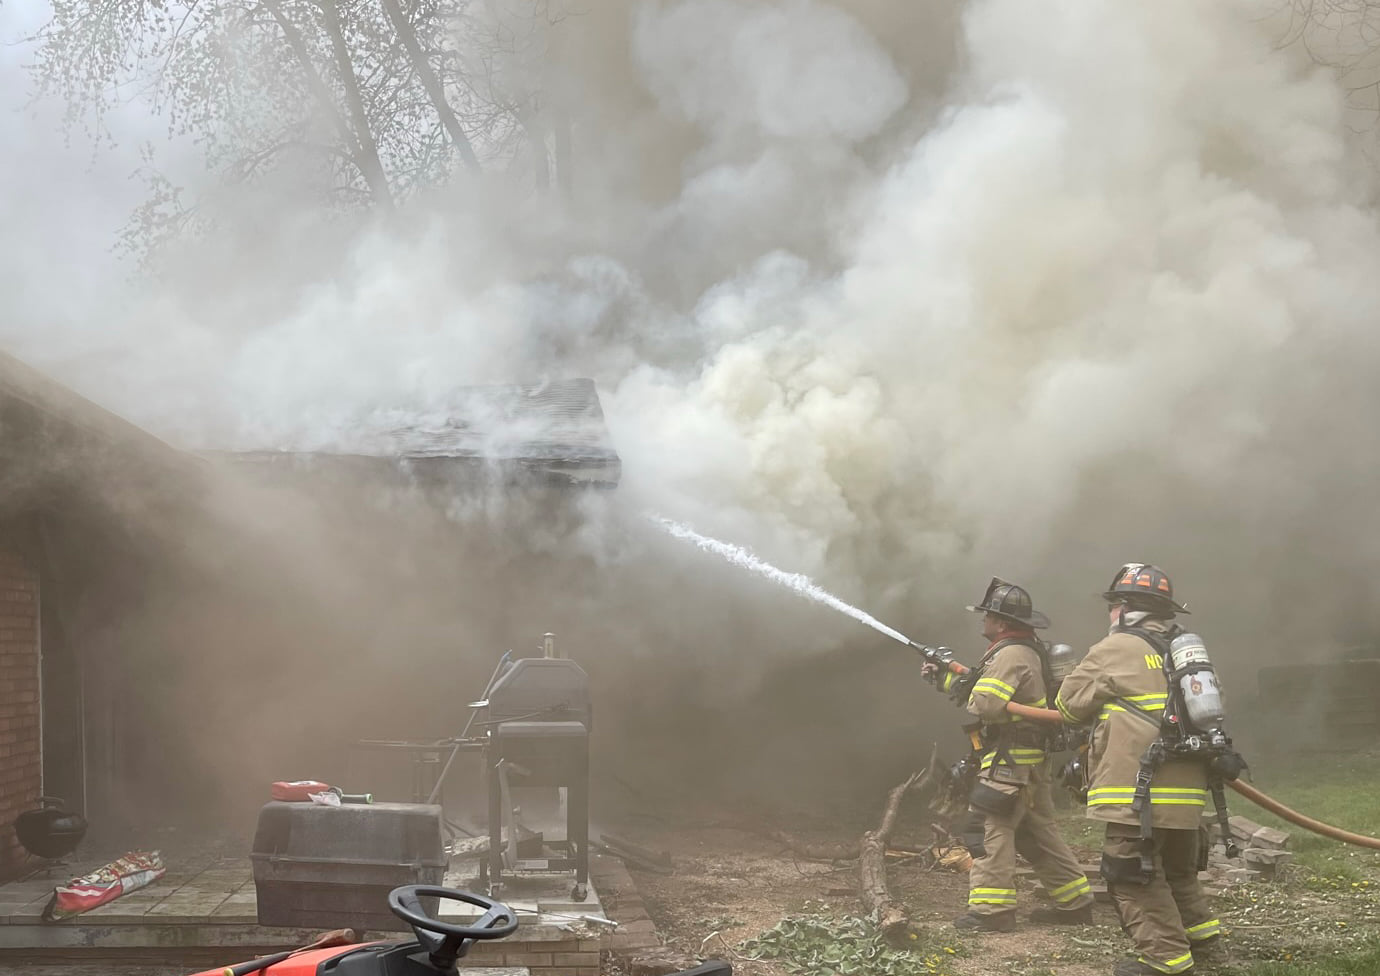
(1155, 754)
(1142, 806)
(1219, 802)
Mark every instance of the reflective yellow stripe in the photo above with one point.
(1064, 711)
(1073, 895)
(1204, 930)
(995, 688)
(1064, 889)
(1175, 965)
(992, 896)
(1108, 709)
(1019, 757)
(947, 681)
(1145, 698)
(1159, 796)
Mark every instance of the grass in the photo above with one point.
(1324, 918)
(1364, 963)
(1333, 788)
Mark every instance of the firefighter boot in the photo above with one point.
(996, 922)
(1063, 916)
(1209, 951)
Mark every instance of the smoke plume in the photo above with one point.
(900, 299)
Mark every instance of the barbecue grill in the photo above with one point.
(532, 726)
(538, 718)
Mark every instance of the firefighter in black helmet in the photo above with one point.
(1011, 792)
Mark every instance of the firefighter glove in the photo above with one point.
(1229, 765)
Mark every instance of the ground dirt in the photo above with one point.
(733, 883)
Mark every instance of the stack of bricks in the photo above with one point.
(21, 730)
(562, 953)
(618, 894)
(1263, 851)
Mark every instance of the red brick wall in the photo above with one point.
(21, 729)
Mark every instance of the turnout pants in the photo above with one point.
(1167, 912)
(1015, 819)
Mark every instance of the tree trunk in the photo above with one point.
(372, 172)
(370, 164)
(565, 175)
(541, 157)
(432, 83)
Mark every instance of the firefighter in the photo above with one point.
(1121, 689)
(1010, 803)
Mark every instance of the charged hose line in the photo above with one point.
(1300, 820)
(1262, 800)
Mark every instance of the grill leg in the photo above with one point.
(577, 826)
(495, 856)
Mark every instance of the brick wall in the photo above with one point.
(20, 720)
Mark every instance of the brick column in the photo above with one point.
(21, 728)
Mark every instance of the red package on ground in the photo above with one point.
(298, 791)
(104, 885)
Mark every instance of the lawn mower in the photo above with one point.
(436, 948)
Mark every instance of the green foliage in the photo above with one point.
(820, 945)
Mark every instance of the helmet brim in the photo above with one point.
(1163, 601)
(1037, 621)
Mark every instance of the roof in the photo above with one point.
(51, 435)
(554, 431)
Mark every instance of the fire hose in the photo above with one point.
(1262, 800)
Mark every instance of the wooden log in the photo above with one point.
(890, 915)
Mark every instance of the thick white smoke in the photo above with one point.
(1103, 291)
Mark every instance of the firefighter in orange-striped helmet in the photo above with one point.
(1122, 691)
(1142, 586)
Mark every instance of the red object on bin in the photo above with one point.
(297, 791)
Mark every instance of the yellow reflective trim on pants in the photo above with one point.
(1072, 891)
(992, 896)
(1204, 930)
(1176, 965)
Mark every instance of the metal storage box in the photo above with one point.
(326, 867)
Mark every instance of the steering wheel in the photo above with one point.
(446, 941)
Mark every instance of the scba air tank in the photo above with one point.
(1062, 659)
(1197, 682)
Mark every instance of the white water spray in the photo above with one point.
(800, 583)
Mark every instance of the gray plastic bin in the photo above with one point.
(327, 867)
